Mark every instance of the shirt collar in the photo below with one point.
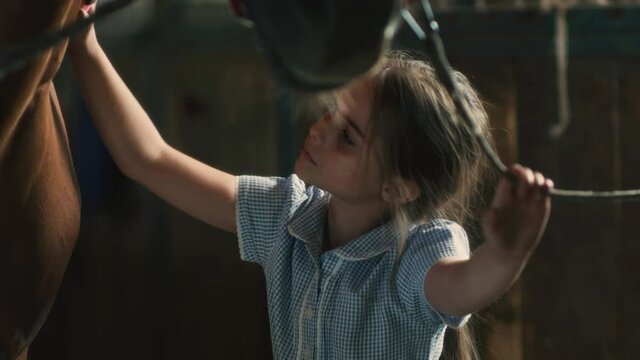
(307, 224)
(369, 244)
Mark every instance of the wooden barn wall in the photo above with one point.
(148, 282)
(578, 297)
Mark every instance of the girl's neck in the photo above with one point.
(346, 222)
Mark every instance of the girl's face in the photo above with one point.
(336, 156)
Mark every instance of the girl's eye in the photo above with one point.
(346, 137)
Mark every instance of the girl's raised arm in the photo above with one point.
(138, 148)
(512, 227)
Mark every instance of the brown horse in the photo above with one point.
(39, 197)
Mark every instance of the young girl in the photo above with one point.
(360, 259)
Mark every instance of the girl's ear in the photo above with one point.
(400, 191)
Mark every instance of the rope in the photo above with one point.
(14, 58)
(435, 48)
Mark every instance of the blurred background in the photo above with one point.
(561, 82)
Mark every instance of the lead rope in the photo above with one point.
(434, 47)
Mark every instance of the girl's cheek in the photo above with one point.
(344, 149)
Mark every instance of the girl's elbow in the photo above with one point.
(141, 164)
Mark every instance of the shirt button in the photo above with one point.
(307, 354)
(308, 312)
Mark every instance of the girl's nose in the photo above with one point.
(316, 132)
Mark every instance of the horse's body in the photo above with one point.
(39, 198)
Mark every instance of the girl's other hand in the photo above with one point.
(517, 217)
(85, 40)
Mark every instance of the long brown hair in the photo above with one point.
(423, 139)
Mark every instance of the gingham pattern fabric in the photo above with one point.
(354, 302)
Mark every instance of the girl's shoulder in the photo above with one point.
(439, 233)
(436, 225)
(304, 198)
(291, 187)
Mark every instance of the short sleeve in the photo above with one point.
(263, 205)
(425, 246)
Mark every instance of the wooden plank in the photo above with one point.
(569, 304)
(629, 247)
(226, 118)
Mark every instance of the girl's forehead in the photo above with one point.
(355, 101)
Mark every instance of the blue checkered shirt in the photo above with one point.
(358, 301)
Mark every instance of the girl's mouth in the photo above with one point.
(307, 156)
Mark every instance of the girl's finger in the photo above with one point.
(539, 179)
(539, 182)
(89, 6)
(525, 181)
(89, 9)
(503, 195)
(548, 185)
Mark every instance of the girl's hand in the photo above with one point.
(86, 40)
(517, 217)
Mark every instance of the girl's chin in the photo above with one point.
(300, 173)
(299, 169)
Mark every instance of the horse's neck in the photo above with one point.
(39, 200)
(18, 23)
